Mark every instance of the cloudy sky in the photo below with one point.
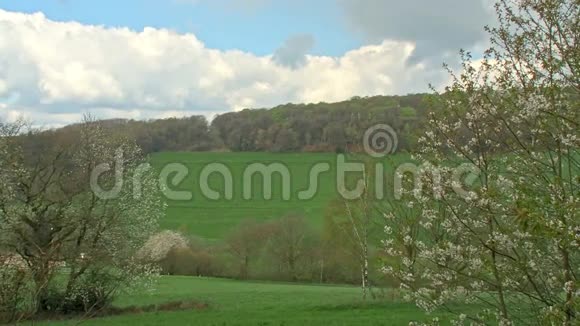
(162, 58)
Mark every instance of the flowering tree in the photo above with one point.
(511, 242)
(159, 245)
(53, 217)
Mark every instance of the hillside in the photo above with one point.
(213, 219)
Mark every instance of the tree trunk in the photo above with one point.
(244, 268)
(292, 267)
(365, 272)
(41, 276)
(322, 270)
(569, 305)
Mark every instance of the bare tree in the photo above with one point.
(246, 242)
(289, 243)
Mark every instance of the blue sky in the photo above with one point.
(258, 27)
(155, 59)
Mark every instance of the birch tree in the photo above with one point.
(356, 220)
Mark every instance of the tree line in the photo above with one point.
(287, 248)
(321, 127)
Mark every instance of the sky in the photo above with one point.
(60, 59)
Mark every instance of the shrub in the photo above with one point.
(13, 292)
(92, 293)
(185, 261)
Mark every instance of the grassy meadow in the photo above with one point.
(261, 303)
(212, 219)
(231, 302)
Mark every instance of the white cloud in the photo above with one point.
(51, 71)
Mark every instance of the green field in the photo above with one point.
(260, 303)
(233, 302)
(212, 219)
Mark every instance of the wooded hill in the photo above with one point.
(321, 127)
